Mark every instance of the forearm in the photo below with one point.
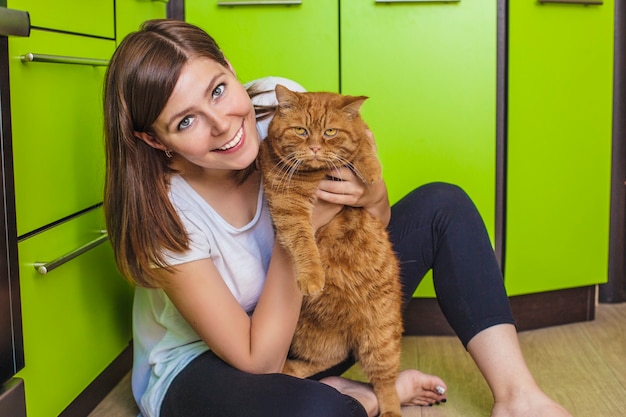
(274, 320)
(378, 206)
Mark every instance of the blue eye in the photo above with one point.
(186, 122)
(218, 91)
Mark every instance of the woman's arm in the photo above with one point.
(256, 344)
(351, 191)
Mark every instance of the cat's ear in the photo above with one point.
(285, 97)
(352, 104)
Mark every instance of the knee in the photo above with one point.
(446, 195)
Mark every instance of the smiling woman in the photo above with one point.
(216, 301)
(208, 116)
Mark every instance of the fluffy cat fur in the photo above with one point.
(347, 271)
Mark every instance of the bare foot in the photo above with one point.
(534, 404)
(413, 386)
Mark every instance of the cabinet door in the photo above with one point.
(430, 72)
(76, 318)
(76, 16)
(56, 114)
(300, 42)
(559, 145)
(130, 14)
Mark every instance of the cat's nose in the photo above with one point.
(315, 149)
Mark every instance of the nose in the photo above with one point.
(314, 148)
(218, 122)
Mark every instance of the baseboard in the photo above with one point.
(531, 311)
(12, 398)
(101, 386)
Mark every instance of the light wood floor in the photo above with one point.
(582, 366)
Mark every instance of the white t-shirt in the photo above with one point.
(164, 343)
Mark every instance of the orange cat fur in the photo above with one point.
(347, 271)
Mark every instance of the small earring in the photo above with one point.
(168, 153)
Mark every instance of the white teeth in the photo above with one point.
(233, 142)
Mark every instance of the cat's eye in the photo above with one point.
(300, 131)
(329, 133)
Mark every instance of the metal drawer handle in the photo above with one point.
(584, 2)
(260, 3)
(57, 59)
(44, 267)
(417, 1)
(14, 22)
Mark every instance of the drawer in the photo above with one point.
(57, 120)
(94, 18)
(76, 318)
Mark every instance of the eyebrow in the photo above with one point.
(187, 110)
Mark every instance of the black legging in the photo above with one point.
(435, 227)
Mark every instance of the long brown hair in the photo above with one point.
(142, 74)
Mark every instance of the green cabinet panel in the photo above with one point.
(130, 14)
(76, 16)
(76, 318)
(58, 147)
(559, 145)
(430, 72)
(296, 42)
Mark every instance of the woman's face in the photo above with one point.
(209, 119)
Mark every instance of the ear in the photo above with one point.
(151, 140)
(285, 97)
(352, 104)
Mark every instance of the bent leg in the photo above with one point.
(438, 227)
(210, 387)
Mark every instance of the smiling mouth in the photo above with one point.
(234, 142)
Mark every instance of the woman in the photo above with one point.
(216, 302)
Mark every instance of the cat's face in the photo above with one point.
(315, 131)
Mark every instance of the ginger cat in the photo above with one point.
(347, 271)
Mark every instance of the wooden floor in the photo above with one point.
(582, 366)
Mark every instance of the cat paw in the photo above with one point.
(390, 414)
(310, 287)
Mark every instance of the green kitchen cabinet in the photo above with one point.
(58, 147)
(300, 42)
(130, 14)
(559, 145)
(76, 318)
(430, 72)
(92, 17)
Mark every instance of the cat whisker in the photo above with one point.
(346, 163)
(285, 171)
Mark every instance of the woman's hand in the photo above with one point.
(343, 187)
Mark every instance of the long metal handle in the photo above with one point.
(261, 3)
(44, 267)
(14, 22)
(584, 2)
(417, 1)
(57, 59)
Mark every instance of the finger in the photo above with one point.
(336, 197)
(341, 173)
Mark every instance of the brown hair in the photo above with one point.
(141, 76)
